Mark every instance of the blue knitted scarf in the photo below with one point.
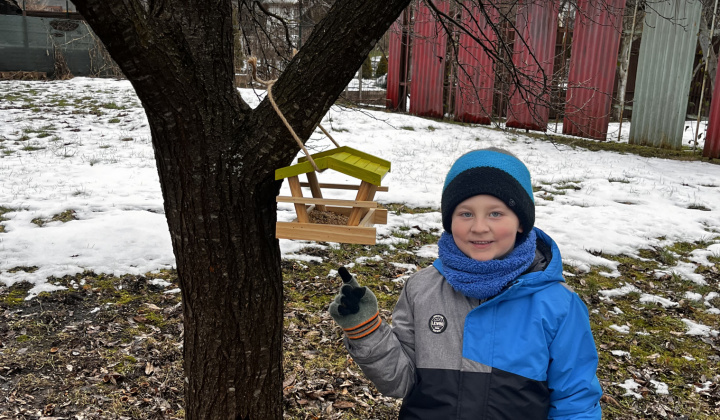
(483, 279)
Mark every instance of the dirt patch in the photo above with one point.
(23, 75)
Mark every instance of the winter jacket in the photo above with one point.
(528, 353)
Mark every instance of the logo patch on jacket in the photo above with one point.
(437, 323)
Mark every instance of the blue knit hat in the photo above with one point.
(495, 172)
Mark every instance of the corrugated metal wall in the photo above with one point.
(476, 76)
(664, 73)
(30, 43)
(537, 23)
(393, 74)
(712, 135)
(428, 62)
(593, 59)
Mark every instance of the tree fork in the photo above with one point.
(216, 159)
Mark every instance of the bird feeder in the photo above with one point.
(334, 220)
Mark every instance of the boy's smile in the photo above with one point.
(484, 228)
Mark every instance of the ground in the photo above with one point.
(111, 347)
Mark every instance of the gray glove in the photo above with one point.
(355, 308)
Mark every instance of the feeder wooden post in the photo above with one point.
(296, 191)
(315, 188)
(365, 193)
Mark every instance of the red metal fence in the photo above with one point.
(476, 75)
(471, 89)
(398, 51)
(537, 24)
(428, 62)
(712, 135)
(393, 74)
(593, 59)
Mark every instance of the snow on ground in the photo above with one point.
(100, 164)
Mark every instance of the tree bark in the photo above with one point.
(629, 35)
(216, 159)
(708, 50)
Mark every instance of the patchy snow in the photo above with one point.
(661, 388)
(102, 167)
(693, 296)
(686, 271)
(630, 386)
(622, 329)
(694, 328)
(664, 302)
(621, 291)
(700, 256)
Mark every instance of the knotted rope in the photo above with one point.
(269, 83)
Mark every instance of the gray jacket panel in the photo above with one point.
(388, 357)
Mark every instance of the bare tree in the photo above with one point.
(216, 159)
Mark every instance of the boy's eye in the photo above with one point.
(495, 214)
(465, 214)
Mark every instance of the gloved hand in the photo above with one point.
(355, 308)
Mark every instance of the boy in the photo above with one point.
(490, 330)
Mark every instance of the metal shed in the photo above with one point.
(476, 75)
(398, 54)
(428, 62)
(537, 23)
(36, 44)
(712, 135)
(664, 73)
(593, 58)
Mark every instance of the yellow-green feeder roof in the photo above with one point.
(344, 159)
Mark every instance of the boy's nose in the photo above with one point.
(479, 225)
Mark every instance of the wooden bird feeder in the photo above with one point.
(350, 221)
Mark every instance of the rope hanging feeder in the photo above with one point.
(356, 217)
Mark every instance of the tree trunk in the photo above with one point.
(216, 158)
(708, 51)
(628, 36)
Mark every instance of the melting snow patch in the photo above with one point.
(694, 328)
(611, 275)
(391, 240)
(620, 353)
(302, 257)
(661, 388)
(160, 282)
(630, 386)
(693, 296)
(428, 251)
(362, 260)
(172, 291)
(700, 256)
(621, 329)
(665, 303)
(618, 311)
(686, 270)
(621, 291)
(409, 267)
(43, 287)
(704, 387)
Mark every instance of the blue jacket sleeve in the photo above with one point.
(574, 388)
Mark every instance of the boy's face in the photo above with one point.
(484, 228)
